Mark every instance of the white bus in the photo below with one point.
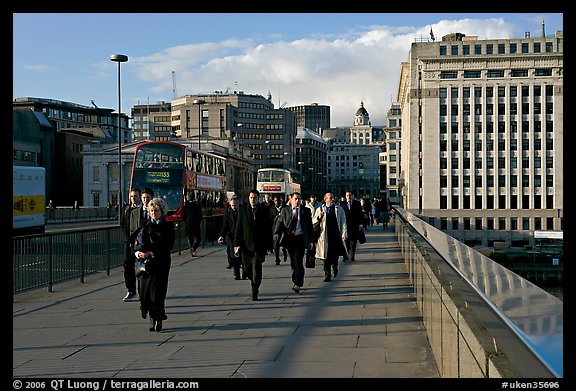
(28, 199)
(277, 181)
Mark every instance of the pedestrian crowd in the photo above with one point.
(304, 231)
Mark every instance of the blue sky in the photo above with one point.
(335, 59)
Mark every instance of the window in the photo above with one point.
(442, 50)
(454, 50)
(96, 174)
(519, 73)
(448, 75)
(489, 48)
(478, 223)
(543, 72)
(472, 74)
(454, 223)
(513, 47)
(501, 48)
(494, 74)
(477, 49)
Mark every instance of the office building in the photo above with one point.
(482, 136)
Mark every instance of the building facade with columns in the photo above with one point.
(482, 136)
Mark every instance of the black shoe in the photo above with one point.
(296, 288)
(229, 267)
(158, 326)
(328, 279)
(236, 277)
(277, 262)
(254, 296)
(152, 324)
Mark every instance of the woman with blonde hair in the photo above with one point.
(154, 252)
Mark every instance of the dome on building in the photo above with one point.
(361, 111)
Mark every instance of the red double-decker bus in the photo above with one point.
(174, 170)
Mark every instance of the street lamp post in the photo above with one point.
(119, 58)
(240, 174)
(285, 164)
(199, 102)
(266, 143)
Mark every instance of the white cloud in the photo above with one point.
(40, 68)
(336, 71)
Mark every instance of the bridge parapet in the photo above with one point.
(482, 319)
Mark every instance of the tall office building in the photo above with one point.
(313, 116)
(482, 136)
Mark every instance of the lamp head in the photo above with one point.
(118, 58)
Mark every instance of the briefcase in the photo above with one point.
(310, 262)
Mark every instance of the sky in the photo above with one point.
(334, 59)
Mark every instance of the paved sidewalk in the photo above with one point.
(363, 324)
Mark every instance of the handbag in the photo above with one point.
(316, 232)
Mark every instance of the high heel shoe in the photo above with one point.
(152, 324)
(158, 325)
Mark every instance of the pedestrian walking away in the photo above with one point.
(154, 252)
(294, 225)
(227, 235)
(330, 220)
(253, 237)
(193, 218)
(274, 214)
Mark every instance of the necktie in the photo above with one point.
(294, 222)
(254, 213)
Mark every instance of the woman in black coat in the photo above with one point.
(155, 254)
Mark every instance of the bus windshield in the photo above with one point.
(160, 167)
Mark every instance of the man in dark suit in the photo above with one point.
(354, 217)
(295, 225)
(253, 236)
(274, 213)
(227, 235)
(192, 216)
(130, 225)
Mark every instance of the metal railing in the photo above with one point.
(482, 319)
(43, 260)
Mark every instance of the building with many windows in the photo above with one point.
(248, 120)
(311, 153)
(314, 117)
(152, 122)
(390, 185)
(482, 136)
(51, 133)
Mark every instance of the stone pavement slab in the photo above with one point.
(363, 324)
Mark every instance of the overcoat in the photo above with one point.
(322, 246)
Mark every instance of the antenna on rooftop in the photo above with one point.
(174, 94)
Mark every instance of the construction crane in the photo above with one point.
(174, 94)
